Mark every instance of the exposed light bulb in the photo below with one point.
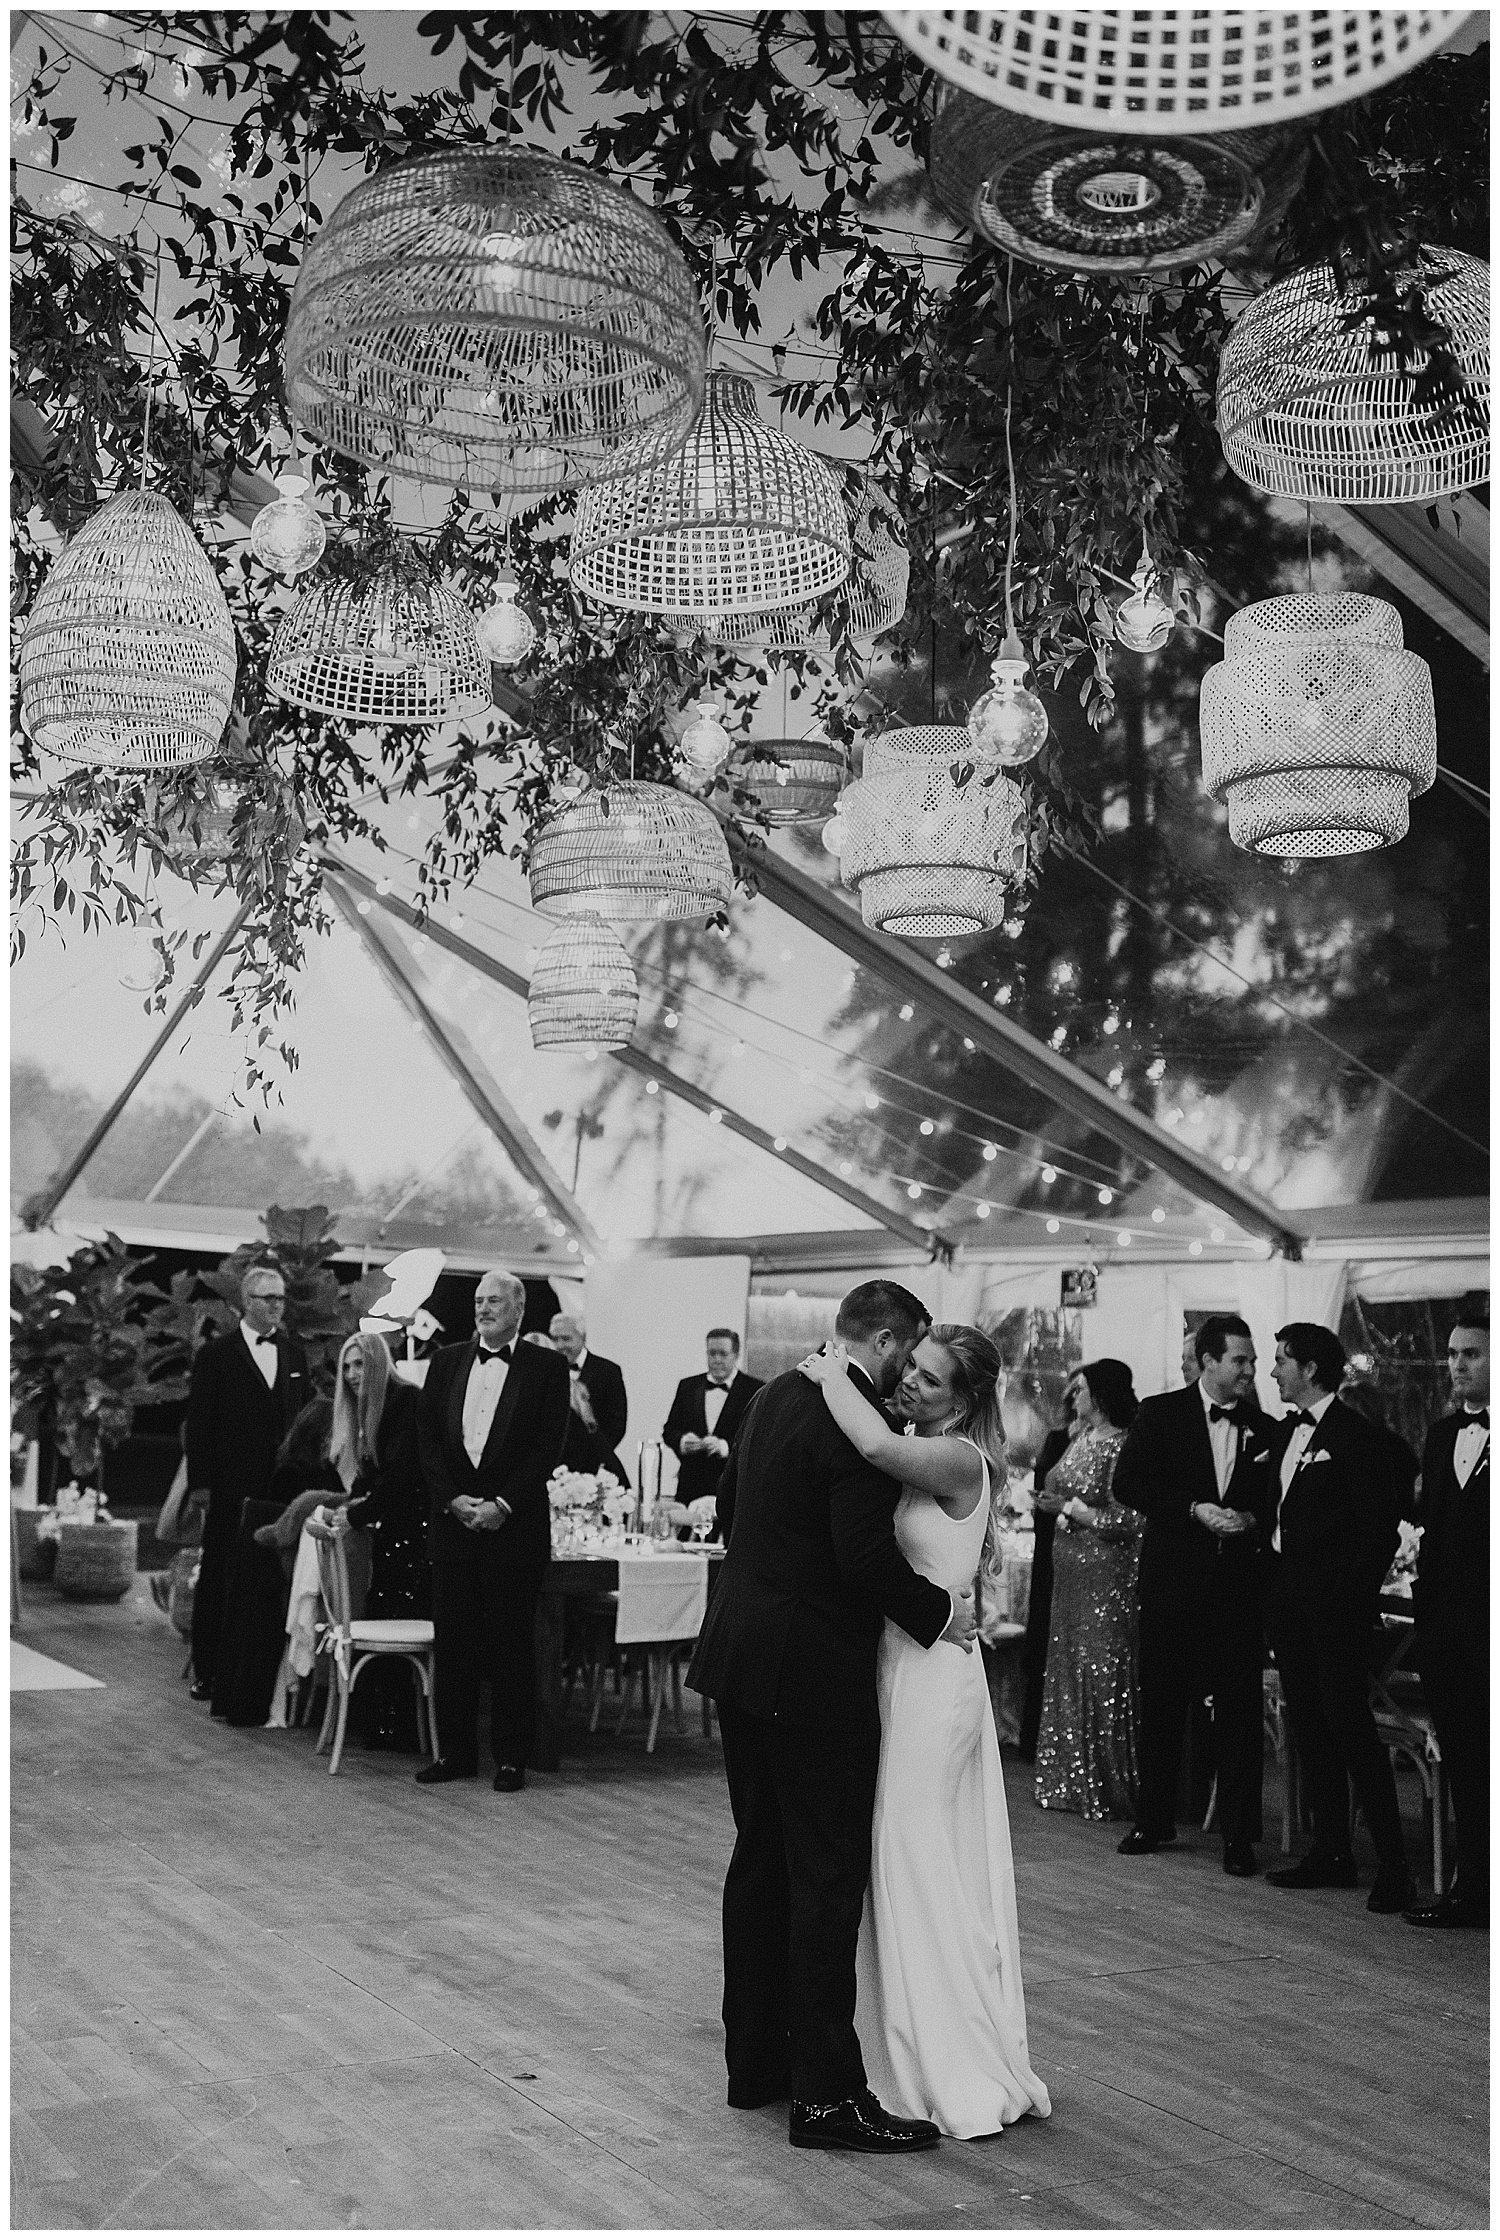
(288, 534)
(503, 274)
(1008, 723)
(1145, 620)
(835, 834)
(706, 746)
(145, 962)
(505, 631)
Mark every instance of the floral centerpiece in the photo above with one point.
(585, 1504)
(1398, 1580)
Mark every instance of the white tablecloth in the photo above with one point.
(662, 1598)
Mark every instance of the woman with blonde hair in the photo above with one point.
(941, 2010)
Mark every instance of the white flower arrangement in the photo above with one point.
(75, 1505)
(579, 1489)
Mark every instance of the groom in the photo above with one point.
(788, 1654)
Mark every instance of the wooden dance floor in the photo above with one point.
(246, 1995)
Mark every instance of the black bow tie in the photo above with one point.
(495, 1353)
(715, 1386)
(1216, 1414)
(1477, 1415)
(1304, 1415)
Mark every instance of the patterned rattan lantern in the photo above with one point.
(631, 850)
(740, 520)
(583, 991)
(874, 594)
(1170, 71)
(1311, 407)
(128, 660)
(496, 319)
(390, 650)
(931, 858)
(1317, 726)
(799, 784)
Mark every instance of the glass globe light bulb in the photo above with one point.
(505, 631)
(705, 744)
(144, 964)
(835, 834)
(288, 534)
(503, 274)
(570, 784)
(1145, 620)
(1008, 723)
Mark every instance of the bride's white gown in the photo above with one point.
(941, 2013)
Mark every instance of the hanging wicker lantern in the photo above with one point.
(288, 534)
(1171, 71)
(631, 850)
(128, 658)
(1311, 407)
(874, 594)
(583, 989)
(1120, 202)
(1317, 726)
(494, 319)
(931, 858)
(390, 650)
(799, 784)
(739, 520)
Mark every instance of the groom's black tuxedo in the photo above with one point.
(788, 1654)
(1451, 1603)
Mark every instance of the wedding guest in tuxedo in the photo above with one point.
(491, 1422)
(1194, 1463)
(1039, 1607)
(1335, 1530)
(1451, 1604)
(597, 1408)
(246, 1390)
(706, 1413)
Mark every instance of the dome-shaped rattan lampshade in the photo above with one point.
(794, 781)
(1310, 406)
(128, 658)
(931, 859)
(497, 319)
(1317, 726)
(631, 850)
(389, 650)
(583, 991)
(1118, 202)
(873, 598)
(739, 520)
(1171, 70)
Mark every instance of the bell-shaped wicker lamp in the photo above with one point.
(128, 657)
(873, 599)
(631, 850)
(740, 520)
(583, 991)
(1317, 726)
(930, 857)
(495, 319)
(794, 781)
(390, 650)
(1311, 407)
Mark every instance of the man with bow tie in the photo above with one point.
(1451, 1604)
(706, 1413)
(1194, 1464)
(1336, 1528)
(598, 1407)
(490, 1429)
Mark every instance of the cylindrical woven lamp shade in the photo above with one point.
(1121, 202)
(495, 319)
(631, 851)
(128, 660)
(1310, 407)
(387, 651)
(1171, 70)
(931, 859)
(583, 991)
(1317, 726)
(800, 785)
(875, 591)
(740, 519)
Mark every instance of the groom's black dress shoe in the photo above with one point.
(445, 1769)
(1392, 1892)
(1239, 1860)
(201, 1691)
(860, 2123)
(1451, 1911)
(1316, 1872)
(1140, 1841)
(510, 1777)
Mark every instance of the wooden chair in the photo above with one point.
(352, 1643)
(653, 1661)
(1405, 1726)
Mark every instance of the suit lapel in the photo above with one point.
(505, 1406)
(1203, 1445)
(455, 1398)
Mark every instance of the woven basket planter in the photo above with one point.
(387, 651)
(128, 658)
(931, 859)
(1317, 726)
(1168, 71)
(1310, 407)
(631, 851)
(36, 1558)
(583, 992)
(96, 1562)
(741, 519)
(801, 782)
(494, 319)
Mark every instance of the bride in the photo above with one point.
(941, 2013)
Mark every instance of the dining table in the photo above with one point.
(571, 1576)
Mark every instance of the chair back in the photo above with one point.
(333, 1579)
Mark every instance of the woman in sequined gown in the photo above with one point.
(1087, 1757)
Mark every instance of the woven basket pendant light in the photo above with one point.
(931, 859)
(1310, 407)
(495, 319)
(874, 596)
(799, 784)
(1317, 726)
(740, 520)
(631, 850)
(390, 650)
(128, 657)
(1169, 71)
(583, 991)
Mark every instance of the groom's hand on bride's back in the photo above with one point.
(962, 1627)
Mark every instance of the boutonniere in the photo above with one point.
(1321, 1455)
(1258, 1454)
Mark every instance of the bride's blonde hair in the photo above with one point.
(975, 1378)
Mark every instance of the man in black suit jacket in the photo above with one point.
(246, 1388)
(490, 1429)
(706, 1413)
(1336, 1528)
(1451, 1604)
(787, 1652)
(1194, 1464)
(598, 1407)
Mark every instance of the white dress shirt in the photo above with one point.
(481, 1398)
(262, 1352)
(1296, 1448)
(1224, 1438)
(714, 1397)
(1469, 1446)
